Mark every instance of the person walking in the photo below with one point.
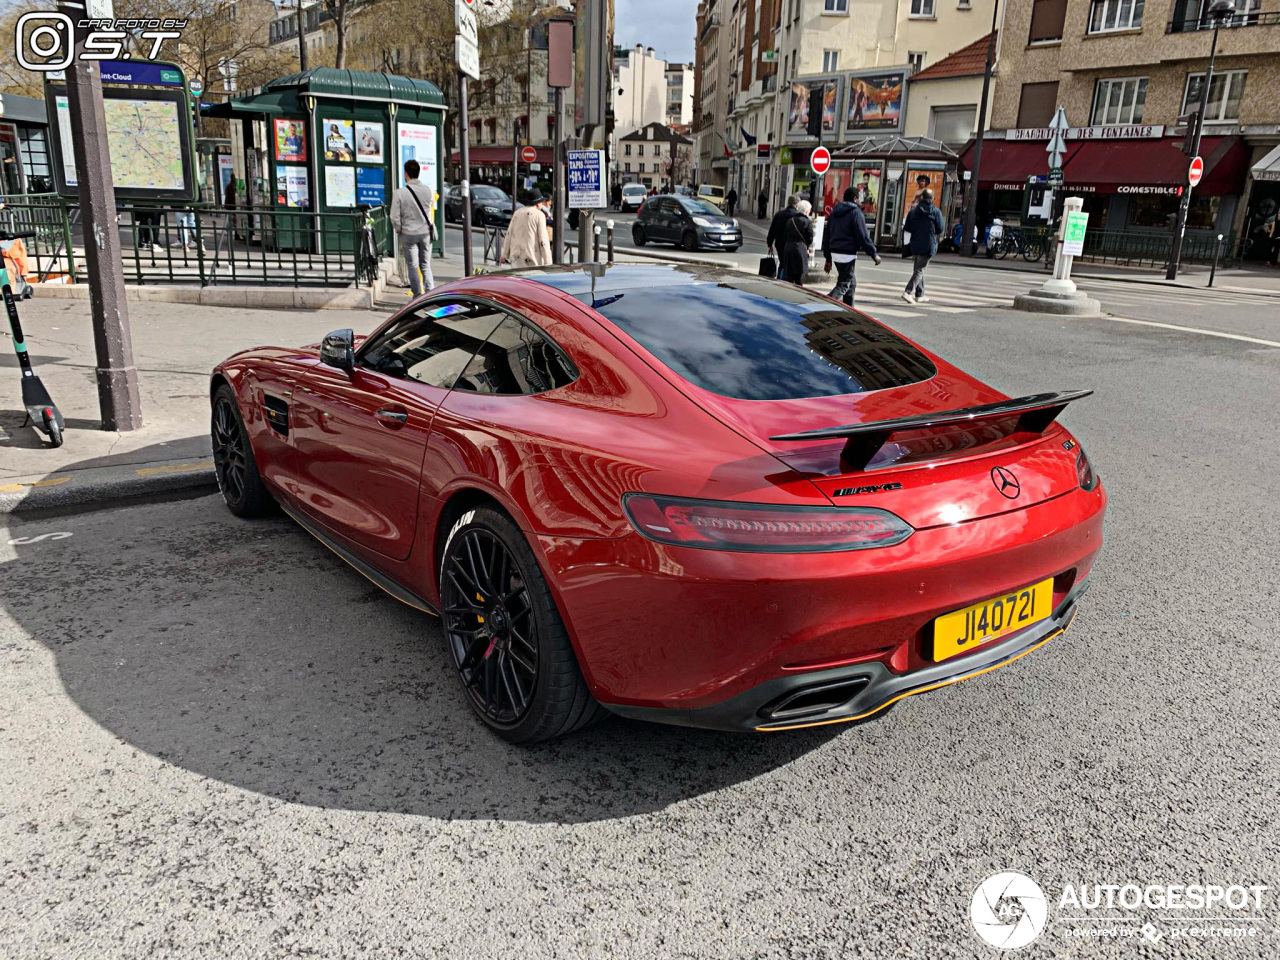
(527, 242)
(762, 204)
(925, 223)
(773, 241)
(617, 196)
(413, 215)
(797, 238)
(844, 237)
(730, 201)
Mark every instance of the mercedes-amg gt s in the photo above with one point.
(672, 492)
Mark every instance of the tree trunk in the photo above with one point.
(340, 23)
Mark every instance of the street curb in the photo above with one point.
(270, 298)
(70, 489)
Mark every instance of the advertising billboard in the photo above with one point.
(798, 107)
(876, 102)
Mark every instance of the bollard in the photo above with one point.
(595, 255)
(1217, 252)
(609, 224)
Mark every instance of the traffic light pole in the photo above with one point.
(1180, 223)
(971, 198)
(557, 189)
(464, 148)
(116, 375)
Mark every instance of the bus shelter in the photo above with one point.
(883, 171)
(329, 141)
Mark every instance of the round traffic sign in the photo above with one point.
(197, 86)
(528, 154)
(820, 160)
(1196, 172)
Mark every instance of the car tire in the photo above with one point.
(507, 639)
(689, 241)
(734, 249)
(637, 235)
(233, 462)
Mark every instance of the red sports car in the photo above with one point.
(671, 492)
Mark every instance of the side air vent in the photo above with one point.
(814, 700)
(277, 413)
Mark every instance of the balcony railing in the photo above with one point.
(1255, 19)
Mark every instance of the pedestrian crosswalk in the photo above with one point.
(983, 289)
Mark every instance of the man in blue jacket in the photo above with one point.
(844, 236)
(924, 223)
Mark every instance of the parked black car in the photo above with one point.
(490, 206)
(686, 222)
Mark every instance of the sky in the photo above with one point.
(666, 25)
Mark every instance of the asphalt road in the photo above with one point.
(216, 740)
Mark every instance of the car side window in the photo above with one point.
(433, 344)
(516, 359)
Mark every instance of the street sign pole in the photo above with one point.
(971, 197)
(116, 374)
(560, 53)
(468, 59)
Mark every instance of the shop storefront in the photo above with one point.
(1260, 230)
(1130, 178)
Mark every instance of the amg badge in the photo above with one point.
(874, 488)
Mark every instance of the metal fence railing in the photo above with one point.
(1128, 248)
(207, 245)
(1254, 18)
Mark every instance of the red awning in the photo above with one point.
(499, 156)
(1114, 166)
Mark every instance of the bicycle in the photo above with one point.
(368, 260)
(1014, 241)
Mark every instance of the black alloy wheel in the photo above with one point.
(508, 642)
(690, 240)
(233, 462)
(637, 234)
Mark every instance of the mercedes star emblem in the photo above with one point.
(1005, 482)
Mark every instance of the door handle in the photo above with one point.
(393, 417)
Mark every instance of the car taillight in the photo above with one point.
(1084, 472)
(762, 528)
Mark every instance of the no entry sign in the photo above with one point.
(1196, 172)
(820, 160)
(528, 154)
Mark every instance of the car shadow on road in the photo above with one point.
(244, 651)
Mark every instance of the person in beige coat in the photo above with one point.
(527, 241)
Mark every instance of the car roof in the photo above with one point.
(600, 280)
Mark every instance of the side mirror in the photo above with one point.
(338, 349)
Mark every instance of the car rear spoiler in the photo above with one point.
(863, 440)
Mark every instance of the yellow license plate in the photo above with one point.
(962, 630)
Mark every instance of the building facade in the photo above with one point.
(656, 156)
(1127, 73)
(679, 95)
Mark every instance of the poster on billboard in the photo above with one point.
(291, 141)
(863, 177)
(368, 142)
(292, 187)
(371, 186)
(340, 186)
(339, 142)
(920, 179)
(798, 111)
(876, 101)
(417, 141)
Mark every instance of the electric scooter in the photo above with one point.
(41, 409)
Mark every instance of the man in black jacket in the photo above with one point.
(775, 237)
(844, 236)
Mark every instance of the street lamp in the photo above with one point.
(1220, 11)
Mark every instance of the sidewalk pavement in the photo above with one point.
(1257, 279)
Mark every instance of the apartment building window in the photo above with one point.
(1107, 15)
(1120, 101)
(626, 168)
(834, 6)
(926, 9)
(830, 61)
(626, 149)
(953, 124)
(640, 150)
(1226, 90)
(1047, 20)
(1037, 104)
(916, 61)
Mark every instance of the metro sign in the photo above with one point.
(820, 160)
(528, 154)
(1196, 172)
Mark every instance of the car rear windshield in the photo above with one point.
(757, 339)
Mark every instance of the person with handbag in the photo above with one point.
(797, 238)
(415, 222)
(844, 237)
(925, 225)
(773, 241)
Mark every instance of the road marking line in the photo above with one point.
(1207, 333)
(887, 312)
(175, 468)
(46, 482)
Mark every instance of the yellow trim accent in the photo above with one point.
(175, 468)
(46, 482)
(933, 686)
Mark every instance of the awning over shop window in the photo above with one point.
(498, 156)
(1268, 168)
(1114, 166)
